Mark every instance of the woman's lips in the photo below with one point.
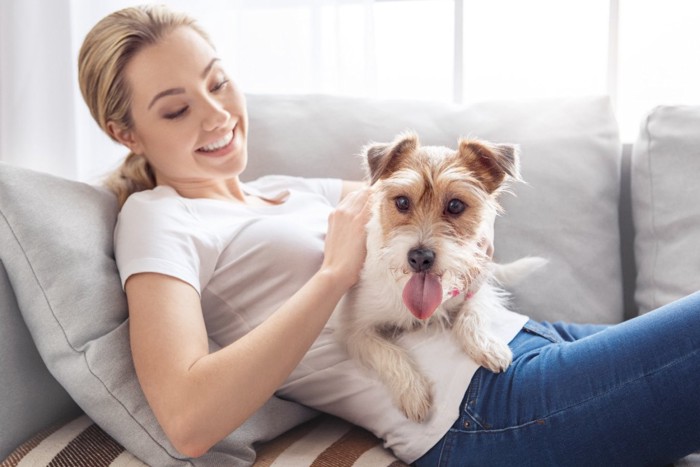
(220, 147)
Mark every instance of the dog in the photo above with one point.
(431, 208)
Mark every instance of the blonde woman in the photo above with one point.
(259, 267)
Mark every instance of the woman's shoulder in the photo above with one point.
(160, 206)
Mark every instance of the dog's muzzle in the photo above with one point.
(423, 291)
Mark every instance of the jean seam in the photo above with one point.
(542, 331)
(472, 395)
(445, 451)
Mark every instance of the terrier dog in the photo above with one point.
(426, 264)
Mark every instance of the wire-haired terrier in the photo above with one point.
(432, 208)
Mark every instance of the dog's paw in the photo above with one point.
(416, 400)
(496, 357)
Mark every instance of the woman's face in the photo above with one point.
(189, 119)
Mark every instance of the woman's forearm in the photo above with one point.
(217, 392)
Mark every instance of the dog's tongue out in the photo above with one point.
(422, 294)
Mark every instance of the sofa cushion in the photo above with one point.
(567, 211)
(31, 398)
(666, 205)
(56, 238)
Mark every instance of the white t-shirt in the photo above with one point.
(245, 262)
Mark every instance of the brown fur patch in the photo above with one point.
(491, 164)
(430, 178)
(385, 159)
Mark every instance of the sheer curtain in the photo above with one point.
(639, 52)
(44, 124)
(37, 101)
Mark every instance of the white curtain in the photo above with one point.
(44, 123)
(37, 101)
(640, 52)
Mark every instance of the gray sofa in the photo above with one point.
(618, 225)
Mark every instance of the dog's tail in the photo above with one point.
(509, 274)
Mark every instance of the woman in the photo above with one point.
(259, 268)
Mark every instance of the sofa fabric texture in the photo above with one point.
(64, 336)
(30, 397)
(666, 205)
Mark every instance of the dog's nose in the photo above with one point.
(421, 259)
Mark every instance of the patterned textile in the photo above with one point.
(322, 442)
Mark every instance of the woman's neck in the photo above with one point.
(225, 189)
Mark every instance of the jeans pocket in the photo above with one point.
(468, 420)
(543, 330)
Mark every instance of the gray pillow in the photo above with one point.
(30, 399)
(567, 212)
(56, 238)
(666, 205)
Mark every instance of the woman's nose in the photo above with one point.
(215, 115)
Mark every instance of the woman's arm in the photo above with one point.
(200, 397)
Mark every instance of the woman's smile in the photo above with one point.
(221, 146)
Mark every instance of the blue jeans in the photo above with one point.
(586, 395)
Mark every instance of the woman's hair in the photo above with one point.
(103, 58)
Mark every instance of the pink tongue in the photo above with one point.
(422, 295)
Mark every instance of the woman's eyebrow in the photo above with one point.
(170, 92)
(167, 92)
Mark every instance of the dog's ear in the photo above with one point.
(491, 163)
(383, 159)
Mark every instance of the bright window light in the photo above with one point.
(414, 49)
(534, 48)
(659, 65)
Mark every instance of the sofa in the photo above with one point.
(617, 223)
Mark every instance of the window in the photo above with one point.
(640, 52)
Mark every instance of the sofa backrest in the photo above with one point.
(567, 211)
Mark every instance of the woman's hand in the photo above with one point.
(345, 248)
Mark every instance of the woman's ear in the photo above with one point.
(124, 136)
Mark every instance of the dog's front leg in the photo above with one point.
(471, 331)
(396, 369)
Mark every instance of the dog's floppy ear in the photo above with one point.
(491, 163)
(384, 159)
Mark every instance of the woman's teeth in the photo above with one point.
(218, 144)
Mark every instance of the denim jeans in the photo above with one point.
(586, 395)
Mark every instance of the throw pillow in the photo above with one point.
(56, 238)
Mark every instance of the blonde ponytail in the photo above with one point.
(135, 174)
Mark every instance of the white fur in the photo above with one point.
(375, 305)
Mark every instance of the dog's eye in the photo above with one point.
(455, 206)
(402, 203)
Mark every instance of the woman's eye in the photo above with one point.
(402, 203)
(177, 113)
(220, 85)
(455, 206)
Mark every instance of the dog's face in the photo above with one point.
(430, 205)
